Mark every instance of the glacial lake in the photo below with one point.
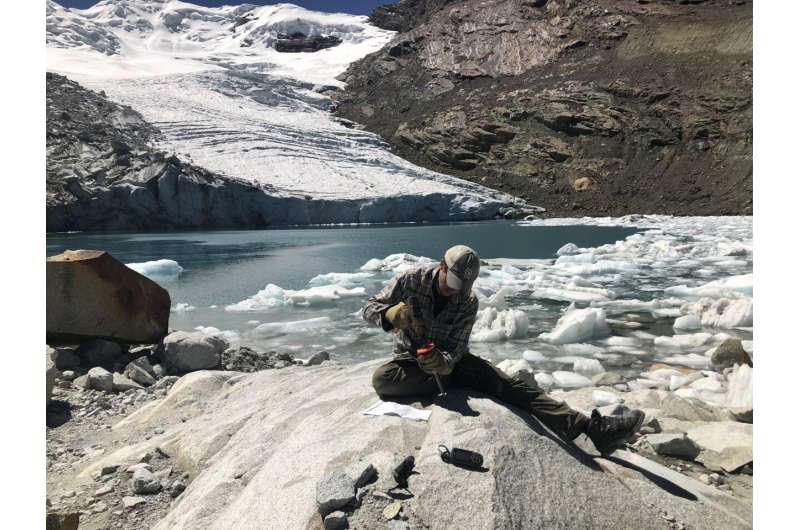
(300, 290)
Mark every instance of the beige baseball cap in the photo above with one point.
(463, 266)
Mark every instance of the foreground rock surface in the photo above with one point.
(239, 436)
(91, 294)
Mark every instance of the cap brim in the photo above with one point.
(456, 283)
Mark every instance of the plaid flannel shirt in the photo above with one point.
(450, 329)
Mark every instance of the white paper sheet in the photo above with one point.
(389, 408)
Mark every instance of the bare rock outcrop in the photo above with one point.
(595, 106)
(257, 446)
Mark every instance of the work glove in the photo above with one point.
(399, 316)
(435, 362)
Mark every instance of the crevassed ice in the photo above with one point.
(225, 99)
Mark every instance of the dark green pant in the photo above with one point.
(404, 378)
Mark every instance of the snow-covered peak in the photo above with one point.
(134, 38)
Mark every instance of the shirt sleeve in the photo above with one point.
(459, 335)
(375, 308)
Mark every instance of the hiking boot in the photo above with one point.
(608, 432)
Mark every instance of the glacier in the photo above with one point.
(224, 99)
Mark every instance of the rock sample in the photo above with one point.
(91, 294)
(184, 351)
(673, 444)
(283, 432)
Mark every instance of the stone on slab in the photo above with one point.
(92, 294)
(318, 358)
(729, 353)
(144, 482)
(184, 351)
(608, 379)
(101, 379)
(673, 444)
(130, 501)
(334, 491)
(65, 358)
(335, 521)
(122, 383)
(141, 371)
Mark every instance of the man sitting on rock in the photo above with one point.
(435, 303)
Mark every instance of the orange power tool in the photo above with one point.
(422, 352)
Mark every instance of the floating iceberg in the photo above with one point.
(571, 380)
(276, 329)
(272, 297)
(161, 269)
(493, 325)
(578, 325)
(721, 312)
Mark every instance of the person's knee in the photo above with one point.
(383, 378)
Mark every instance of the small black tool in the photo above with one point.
(403, 471)
(461, 457)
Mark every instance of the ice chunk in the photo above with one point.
(722, 312)
(740, 388)
(569, 248)
(733, 287)
(544, 379)
(533, 356)
(160, 269)
(272, 297)
(182, 307)
(681, 342)
(395, 263)
(678, 381)
(622, 341)
(587, 366)
(492, 325)
(708, 383)
(691, 360)
(688, 322)
(342, 279)
(602, 398)
(571, 379)
(578, 325)
(662, 374)
(584, 350)
(276, 329)
(229, 335)
(512, 367)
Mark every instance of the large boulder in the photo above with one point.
(65, 358)
(91, 294)
(258, 445)
(183, 351)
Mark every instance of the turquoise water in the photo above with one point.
(226, 267)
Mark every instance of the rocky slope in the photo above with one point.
(105, 171)
(258, 450)
(588, 107)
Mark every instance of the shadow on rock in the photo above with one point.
(58, 413)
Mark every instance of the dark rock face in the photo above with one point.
(593, 107)
(299, 42)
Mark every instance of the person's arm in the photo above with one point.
(458, 339)
(377, 305)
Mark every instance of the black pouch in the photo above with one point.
(461, 457)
